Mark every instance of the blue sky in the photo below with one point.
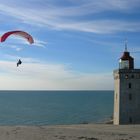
(77, 43)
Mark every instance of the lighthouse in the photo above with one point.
(126, 91)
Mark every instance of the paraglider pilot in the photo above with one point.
(19, 62)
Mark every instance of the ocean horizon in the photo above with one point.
(53, 107)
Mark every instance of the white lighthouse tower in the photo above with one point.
(127, 91)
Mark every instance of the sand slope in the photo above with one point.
(71, 132)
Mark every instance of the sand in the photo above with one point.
(71, 132)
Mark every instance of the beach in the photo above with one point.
(71, 132)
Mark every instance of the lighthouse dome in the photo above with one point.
(126, 61)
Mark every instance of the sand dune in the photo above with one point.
(71, 132)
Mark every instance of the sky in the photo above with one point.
(77, 43)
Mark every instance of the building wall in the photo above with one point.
(127, 96)
(116, 98)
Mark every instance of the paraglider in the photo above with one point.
(19, 62)
(23, 34)
(18, 33)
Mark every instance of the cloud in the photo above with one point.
(17, 48)
(39, 76)
(40, 43)
(51, 15)
(101, 26)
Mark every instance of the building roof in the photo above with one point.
(126, 56)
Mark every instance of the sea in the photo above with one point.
(55, 107)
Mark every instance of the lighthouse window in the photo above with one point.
(126, 76)
(132, 76)
(129, 85)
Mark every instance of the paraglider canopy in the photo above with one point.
(19, 33)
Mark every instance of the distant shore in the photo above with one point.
(71, 132)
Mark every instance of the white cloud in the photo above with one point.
(58, 17)
(40, 43)
(17, 48)
(101, 26)
(37, 76)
